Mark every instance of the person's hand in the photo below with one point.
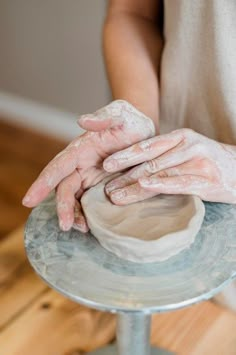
(182, 162)
(79, 166)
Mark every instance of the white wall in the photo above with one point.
(50, 51)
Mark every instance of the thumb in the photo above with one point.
(104, 118)
(93, 122)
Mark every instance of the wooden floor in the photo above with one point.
(22, 155)
(35, 320)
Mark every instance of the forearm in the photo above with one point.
(132, 48)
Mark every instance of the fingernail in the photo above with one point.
(109, 188)
(64, 226)
(110, 165)
(90, 117)
(118, 195)
(25, 200)
(84, 117)
(80, 227)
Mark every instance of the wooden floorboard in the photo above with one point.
(23, 154)
(35, 320)
(19, 285)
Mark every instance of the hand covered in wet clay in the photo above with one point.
(79, 166)
(182, 162)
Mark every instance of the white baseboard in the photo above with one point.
(38, 116)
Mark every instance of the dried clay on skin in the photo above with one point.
(79, 166)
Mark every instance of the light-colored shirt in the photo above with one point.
(198, 68)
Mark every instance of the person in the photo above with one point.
(171, 68)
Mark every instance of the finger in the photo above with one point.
(106, 117)
(126, 179)
(130, 194)
(184, 184)
(143, 151)
(79, 220)
(92, 122)
(149, 168)
(65, 197)
(60, 167)
(122, 189)
(191, 167)
(119, 113)
(172, 158)
(183, 169)
(142, 171)
(197, 167)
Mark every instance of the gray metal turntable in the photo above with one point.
(78, 267)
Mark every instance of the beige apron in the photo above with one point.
(198, 68)
(198, 75)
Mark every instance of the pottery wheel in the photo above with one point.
(80, 268)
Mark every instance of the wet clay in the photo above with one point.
(146, 231)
